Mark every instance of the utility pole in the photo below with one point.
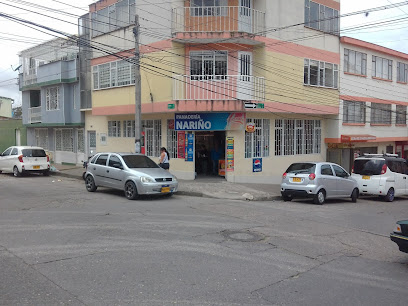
(138, 89)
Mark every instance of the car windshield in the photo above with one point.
(33, 153)
(139, 161)
(368, 166)
(304, 168)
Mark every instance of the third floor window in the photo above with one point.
(382, 68)
(208, 7)
(355, 62)
(402, 72)
(321, 17)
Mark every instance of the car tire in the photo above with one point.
(320, 197)
(90, 184)
(1, 172)
(46, 173)
(390, 195)
(354, 195)
(16, 173)
(286, 198)
(131, 191)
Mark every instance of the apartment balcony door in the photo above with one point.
(245, 78)
(245, 16)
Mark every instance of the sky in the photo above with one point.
(15, 37)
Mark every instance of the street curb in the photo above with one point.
(188, 193)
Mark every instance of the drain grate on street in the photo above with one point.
(242, 236)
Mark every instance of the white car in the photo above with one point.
(19, 160)
(384, 175)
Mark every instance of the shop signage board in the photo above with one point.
(210, 121)
(357, 138)
(257, 165)
(230, 154)
(250, 127)
(189, 155)
(181, 145)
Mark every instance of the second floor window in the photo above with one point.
(402, 72)
(382, 68)
(354, 112)
(401, 114)
(320, 74)
(113, 74)
(52, 98)
(208, 65)
(355, 62)
(380, 113)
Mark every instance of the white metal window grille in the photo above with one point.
(380, 113)
(355, 62)
(172, 146)
(296, 137)
(104, 76)
(257, 144)
(129, 128)
(95, 76)
(123, 73)
(81, 141)
(208, 65)
(354, 112)
(401, 114)
(402, 72)
(41, 138)
(52, 98)
(382, 68)
(67, 140)
(321, 17)
(114, 128)
(320, 74)
(113, 74)
(58, 140)
(152, 130)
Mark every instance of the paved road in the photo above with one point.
(62, 245)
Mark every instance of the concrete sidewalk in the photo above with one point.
(209, 187)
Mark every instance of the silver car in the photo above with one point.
(134, 173)
(318, 180)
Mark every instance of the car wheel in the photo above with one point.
(90, 184)
(354, 195)
(1, 172)
(46, 173)
(16, 173)
(320, 197)
(131, 191)
(286, 198)
(390, 195)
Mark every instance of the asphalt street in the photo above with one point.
(61, 245)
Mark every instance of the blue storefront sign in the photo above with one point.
(189, 147)
(210, 121)
(257, 165)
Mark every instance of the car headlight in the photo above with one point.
(174, 179)
(397, 229)
(146, 179)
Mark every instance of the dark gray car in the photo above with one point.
(135, 174)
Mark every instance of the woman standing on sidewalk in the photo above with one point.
(164, 159)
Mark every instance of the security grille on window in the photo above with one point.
(52, 98)
(320, 74)
(321, 17)
(295, 137)
(402, 72)
(208, 65)
(152, 130)
(401, 114)
(81, 141)
(355, 62)
(380, 113)
(172, 147)
(64, 140)
(257, 143)
(209, 7)
(114, 74)
(114, 128)
(354, 112)
(129, 128)
(41, 138)
(382, 68)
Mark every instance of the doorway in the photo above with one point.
(91, 143)
(209, 151)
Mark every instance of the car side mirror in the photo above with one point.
(117, 166)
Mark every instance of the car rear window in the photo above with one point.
(368, 166)
(34, 153)
(139, 161)
(306, 168)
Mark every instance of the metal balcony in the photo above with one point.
(34, 115)
(218, 88)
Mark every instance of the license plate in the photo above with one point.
(297, 180)
(36, 167)
(165, 189)
(366, 177)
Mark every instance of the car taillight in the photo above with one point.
(284, 175)
(20, 158)
(48, 158)
(384, 169)
(312, 176)
(352, 169)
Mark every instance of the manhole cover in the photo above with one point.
(243, 236)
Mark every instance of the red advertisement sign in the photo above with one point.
(181, 145)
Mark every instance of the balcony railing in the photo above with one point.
(218, 19)
(226, 87)
(34, 115)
